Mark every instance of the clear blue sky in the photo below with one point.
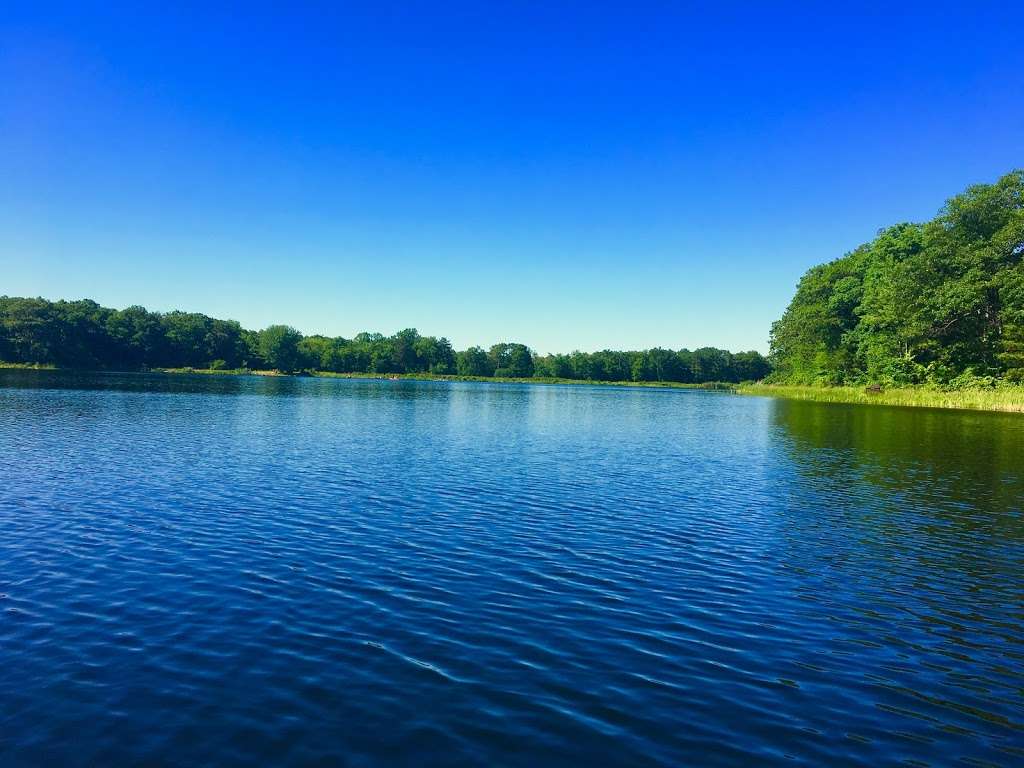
(572, 176)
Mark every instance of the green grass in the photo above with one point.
(218, 371)
(1001, 398)
(27, 366)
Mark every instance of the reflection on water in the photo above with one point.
(292, 571)
(907, 539)
(970, 456)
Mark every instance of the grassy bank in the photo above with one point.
(27, 367)
(1003, 398)
(714, 385)
(218, 371)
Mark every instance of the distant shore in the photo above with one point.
(1004, 398)
(452, 377)
(718, 386)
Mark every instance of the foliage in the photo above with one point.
(279, 346)
(82, 334)
(921, 303)
(473, 362)
(511, 360)
(977, 394)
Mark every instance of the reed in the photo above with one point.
(1000, 398)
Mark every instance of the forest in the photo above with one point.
(83, 334)
(939, 303)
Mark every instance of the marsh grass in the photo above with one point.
(27, 366)
(218, 371)
(999, 398)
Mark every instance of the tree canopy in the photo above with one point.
(940, 302)
(82, 334)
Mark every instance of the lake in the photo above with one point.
(296, 571)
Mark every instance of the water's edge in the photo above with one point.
(1002, 399)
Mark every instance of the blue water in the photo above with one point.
(297, 571)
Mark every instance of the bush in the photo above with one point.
(970, 380)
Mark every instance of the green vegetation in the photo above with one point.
(27, 366)
(82, 334)
(713, 385)
(218, 371)
(925, 314)
(938, 305)
(1000, 398)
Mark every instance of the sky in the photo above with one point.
(566, 175)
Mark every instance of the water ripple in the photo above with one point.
(243, 570)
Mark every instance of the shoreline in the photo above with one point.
(1004, 399)
(1000, 399)
(711, 385)
(714, 386)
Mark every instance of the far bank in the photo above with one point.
(712, 385)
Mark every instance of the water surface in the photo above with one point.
(285, 571)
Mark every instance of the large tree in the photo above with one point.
(279, 347)
(510, 359)
(920, 302)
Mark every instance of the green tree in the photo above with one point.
(138, 335)
(32, 330)
(511, 360)
(403, 351)
(932, 301)
(434, 355)
(279, 347)
(314, 352)
(186, 334)
(473, 362)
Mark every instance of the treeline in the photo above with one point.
(82, 334)
(940, 302)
